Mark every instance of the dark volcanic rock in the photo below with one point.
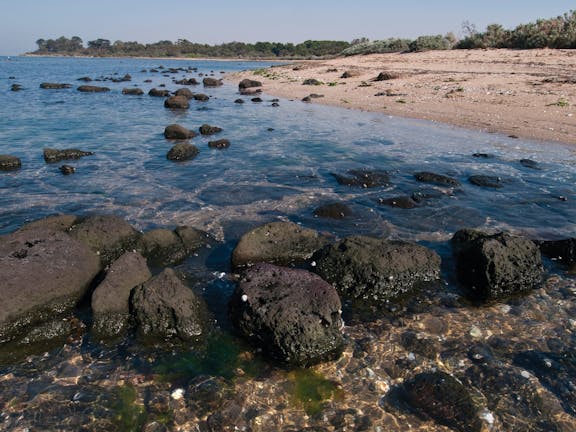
(403, 202)
(44, 274)
(277, 242)
(211, 82)
(293, 315)
(9, 163)
(248, 83)
(439, 179)
(54, 155)
(496, 266)
(111, 299)
(132, 91)
(561, 250)
(219, 144)
(445, 399)
(177, 102)
(165, 308)
(93, 89)
(175, 131)
(184, 92)
(368, 268)
(107, 235)
(486, 181)
(55, 86)
(159, 93)
(363, 178)
(333, 211)
(182, 151)
(206, 129)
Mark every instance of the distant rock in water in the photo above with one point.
(486, 181)
(132, 91)
(16, 87)
(182, 152)
(206, 129)
(177, 102)
(211, 82)
(176, 131)
(201, 97)
(219, 144)
(67, 169)
(363, 178)
(54, 155)
(158, 93)
(439, 179)
(55, 86)
(184, 92)
(529, 163)
(85, 79)
(9, 163)
(188, 82)
(239, 101)
(93, 89)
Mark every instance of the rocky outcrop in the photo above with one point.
(93, 89)
(206, 129)
(132, 91)
(164, 308)
(368, 268)
(177, 102)
(45, 273)
(293, 315)
(111, 298)
(219, 144)
(176, 131)
(248, 83)
(108, 236)
(363, 178)
(9, 163)
(182, 151)
(54, 155)
(278, 243)
(439, 179)
(211, 82)
(55, 86)
(496, 266)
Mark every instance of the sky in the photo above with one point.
(23, 22)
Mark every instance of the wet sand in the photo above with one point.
(529, 94)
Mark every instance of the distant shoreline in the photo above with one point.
(226, 59)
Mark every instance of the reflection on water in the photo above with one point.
(280, 166)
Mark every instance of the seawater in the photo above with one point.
(279, 165)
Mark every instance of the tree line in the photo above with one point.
(559, 32)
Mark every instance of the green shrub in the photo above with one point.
(428, 43)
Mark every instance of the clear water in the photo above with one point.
(265, 174)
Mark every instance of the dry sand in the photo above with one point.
(528, 94)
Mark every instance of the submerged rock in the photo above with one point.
(165, 308)
(333, 211)
(176, 131)
(293, 315)
(182, 152)
(496, 266)
(363, 178)
(45, 273)
(439, 179)
(403, 202)
(9, 163)
(277, 242)
(111, 298)
(54, 155)
(486, 181)
(368, 268)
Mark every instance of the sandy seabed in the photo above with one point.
(529, 94)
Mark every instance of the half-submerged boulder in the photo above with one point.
(363, 178)
(439, 179)
(9, 163)
(333, 211)
(280, 243)
(182, 151)
(165, 308)
(132, 91)
(207, 129)
(248, 83)
(211, 82)
(219, 144)
(177, 102)
(158, 93)
(55, 86)
(293, 315)
(45, 273)
(55, 155)
(93, 89)
(368, 268)
(496, 266)
(111, 298)
(176, 131)
(184, 92)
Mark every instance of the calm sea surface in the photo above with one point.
(280, 165)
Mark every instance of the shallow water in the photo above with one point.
(279, 166)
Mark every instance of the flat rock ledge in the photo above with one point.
(293, 315)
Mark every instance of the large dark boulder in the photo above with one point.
(177, 102)
(211, 82)
(165, 308)
(132, 91)
(248, 83)
(93, 89)
(182, 151)
(367, 268)
(363, 178)
(207, 129)
(439, 179)
(44, 273)
(54, 155)
(561, 250)
(293, 315)
(55, 86)
(111, 298)
(176, 131)
(278, 243)
(108, 236)
(496, 266)
(9, 163)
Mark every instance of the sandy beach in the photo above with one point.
(529, 94)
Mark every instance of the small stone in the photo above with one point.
(475, 332)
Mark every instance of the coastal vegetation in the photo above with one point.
(558, 32)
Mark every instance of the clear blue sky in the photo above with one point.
(218, 21)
